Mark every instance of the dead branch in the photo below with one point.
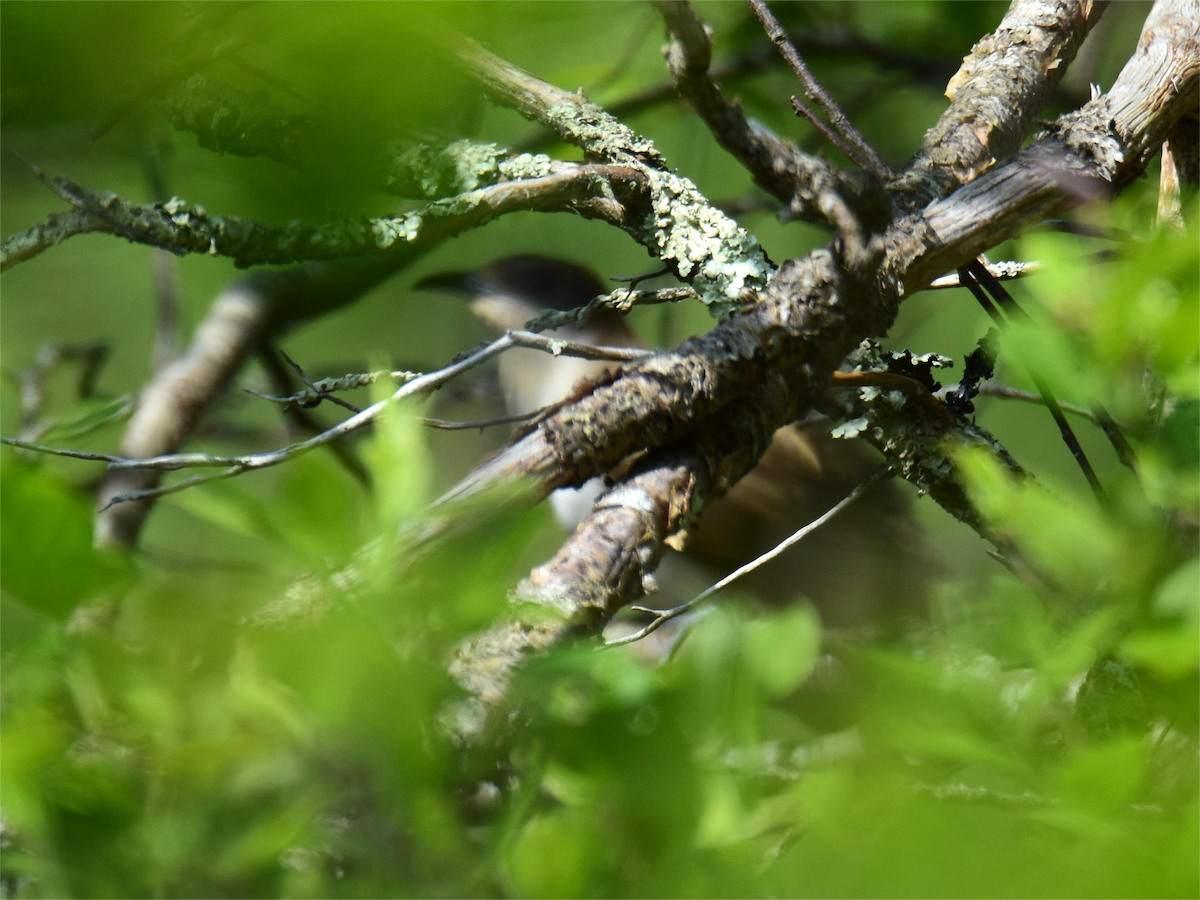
(1001, 87)
(686, 397)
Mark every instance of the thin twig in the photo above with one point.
(857, 147)
(1003, 271)
(1010, 393)
(307, 423)
(802, 110)
(1110, 428)
(1009, 270)
(246, 462)
(967, 276)
(310, 397)
(664, 616)
(481, 424)
(622, 300)
(323, 394)
(163, 489)
(926, 70)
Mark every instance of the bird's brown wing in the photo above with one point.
(865, 565)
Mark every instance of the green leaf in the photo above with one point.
(45, 541)
(1104, 776)
(781, 649)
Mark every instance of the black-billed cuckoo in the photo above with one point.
(864, 566)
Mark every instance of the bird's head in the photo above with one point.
(506, 293)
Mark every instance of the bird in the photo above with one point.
(866, 567)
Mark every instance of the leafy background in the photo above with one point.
(157, 740)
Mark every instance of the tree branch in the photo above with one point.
(855, 145)
(780, 167)
(1002, 85)
(678, 225)
(769, 363)
(41, 237)
(183, 228)
(247, 462)
(243, 317)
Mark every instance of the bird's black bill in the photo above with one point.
(454, 282)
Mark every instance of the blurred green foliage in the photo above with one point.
(161, 737)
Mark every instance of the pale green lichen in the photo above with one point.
(474, 164)
(851, 428)
(526, 165)
(421, 170)
(919, 450)
(587, 125)
(388, 231)
(720, 259)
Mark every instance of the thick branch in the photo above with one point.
(815, 311)
(601, 567)
(1001, 87)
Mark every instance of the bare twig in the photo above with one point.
(967, 276)
(855, 145)
(796, 178)
(664, 616)
(313, 395)
(320, 392)
(238, 464)
(163, 490)
(621, 300)
(481, 424)
(802, 110)
(1009, 270)
(1003, 271)
(1010, 393)
(307, 423)
(1110, 428)
(927, 70)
